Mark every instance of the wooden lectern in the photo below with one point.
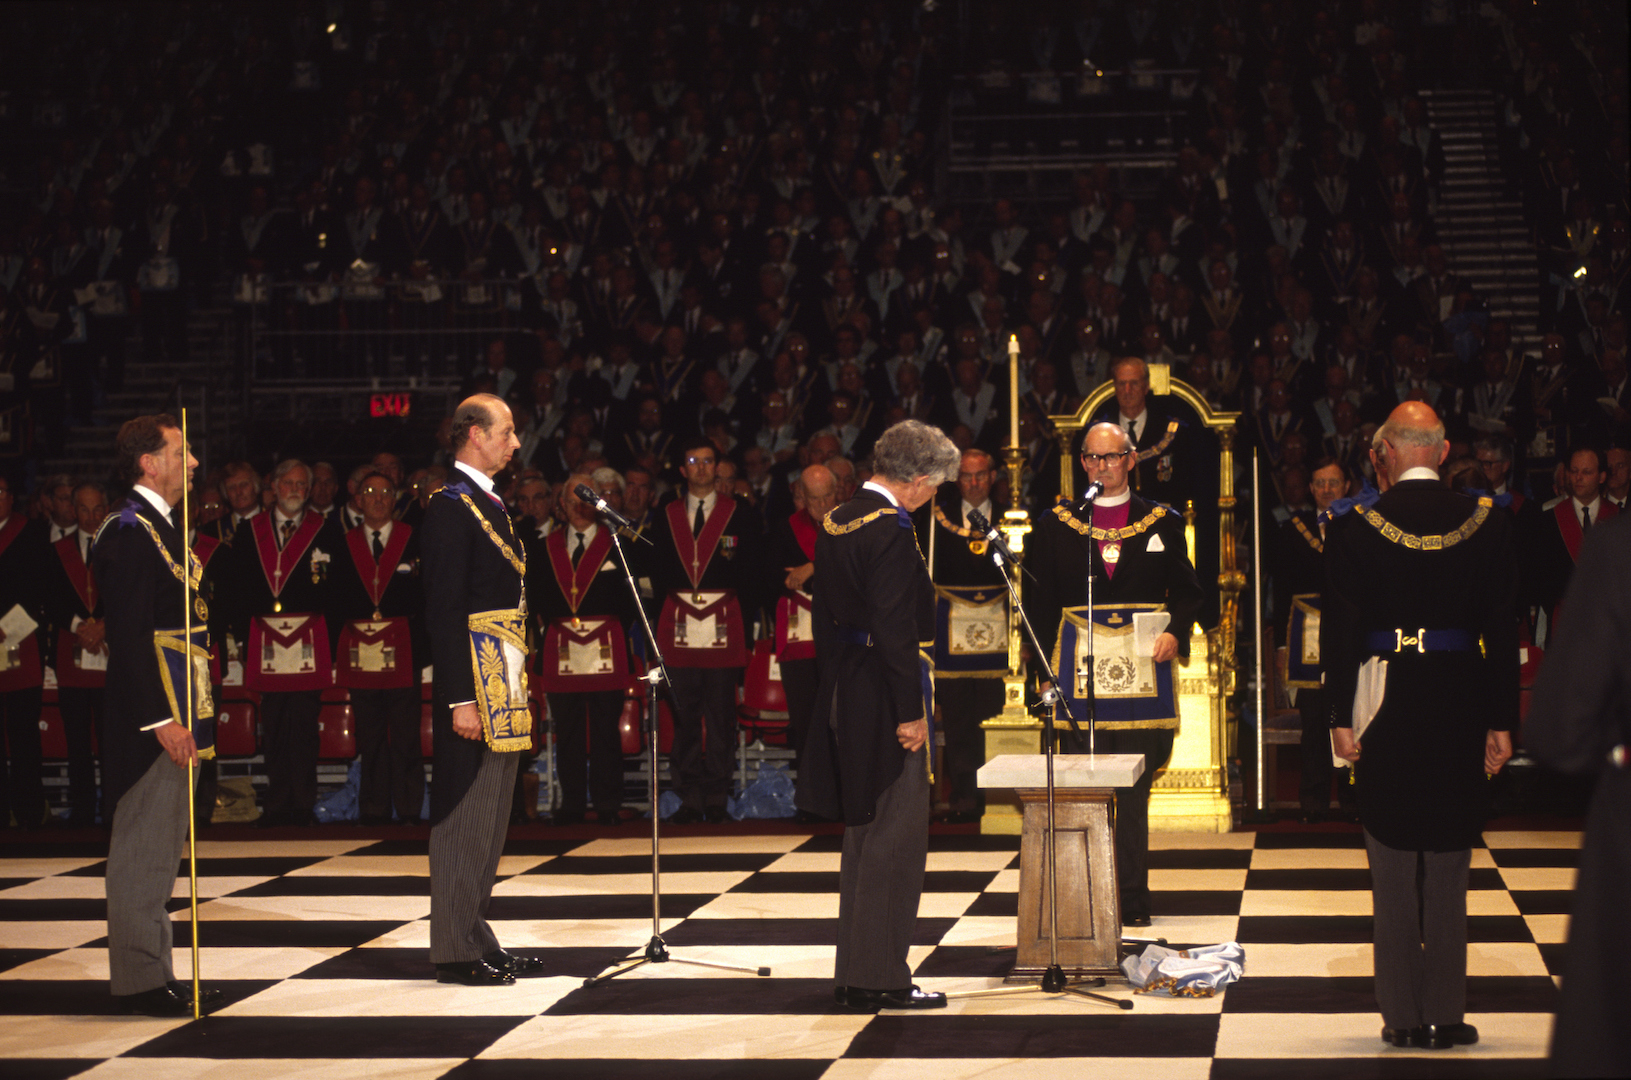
(1084, 861)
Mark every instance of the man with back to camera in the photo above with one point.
(1137, 555)
(475, 614)
(1425, 580)
(140, 557)
(874, 618)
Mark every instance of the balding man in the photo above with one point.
(791, 570)
(1139, 562)
(475, 615)
(1425, 580)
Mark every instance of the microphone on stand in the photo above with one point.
(992, 536)
(587, 494)
(1094, 490)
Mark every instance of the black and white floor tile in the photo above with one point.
(320, 945)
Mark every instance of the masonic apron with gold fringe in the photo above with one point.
(498, 656)
(1131, 690)
(970, 632)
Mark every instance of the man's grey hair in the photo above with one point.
(289, 465)
(1417, 438)
(1499, 447)
(912, 449)
(607, 475)
(57, 481)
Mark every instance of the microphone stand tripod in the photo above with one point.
(1053, 979)
(656, 950)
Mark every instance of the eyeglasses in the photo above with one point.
(1091, 460)
(694, 460)
(378, 491)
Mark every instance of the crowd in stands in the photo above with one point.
(654, 222)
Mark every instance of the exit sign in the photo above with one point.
(398, 405)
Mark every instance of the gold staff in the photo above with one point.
(187, 655)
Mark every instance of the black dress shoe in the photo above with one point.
(515, 966)
(840, 994)
(473, 973)
(911, 997)
(687, 815)
(1444, 1036)
(563, 816)
(159, 1001)
(716, 815)
(1399, 1036)
(206, 996)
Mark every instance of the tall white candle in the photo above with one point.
(1013, 389)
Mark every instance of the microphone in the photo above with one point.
(1094, 490)
(587, 494)
(992, 536)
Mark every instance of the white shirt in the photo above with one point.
(1138, 423)
(881, 490)
(384, 533)
(482, 480)
(706, 502)
(1420, 472)
(588, 533)
(157, 502)
(58, 531)
(984, 510)
(1595, 506)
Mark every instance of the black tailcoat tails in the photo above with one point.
(1423, 558)
(873, 581)
(139, 594)
(465, 573)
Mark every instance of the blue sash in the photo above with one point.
(1303, 642)
(173, 658)
(970, 632)
(1132, 691)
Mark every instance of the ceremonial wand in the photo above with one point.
(187, 656)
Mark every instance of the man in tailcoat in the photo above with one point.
(472, 564)
(874, 615)
(1579, 722)
(138, 556)
(1137, 554)
(1427, 581)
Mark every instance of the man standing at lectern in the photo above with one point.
(1137, 555)
(874, 618)
(1426, 580)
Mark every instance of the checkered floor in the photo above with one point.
(320, 946)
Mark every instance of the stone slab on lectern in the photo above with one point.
(1089, 933)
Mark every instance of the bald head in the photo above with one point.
(820, 488)
(1415, 437)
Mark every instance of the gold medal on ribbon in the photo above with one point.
(977, 546)
(201, 608)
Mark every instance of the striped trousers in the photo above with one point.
(149, 837)
(464, 852)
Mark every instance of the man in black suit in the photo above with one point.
(280, 604)
(1580, 723)
(1136, 552)
(875, 605)
(73, 608)
(705, 564)
(379, 607)
(583, 609)
(1425, 581)
(961, 561)
(140, 557)
(22, 556)
(474, 567)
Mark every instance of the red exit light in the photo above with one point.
(398, 405)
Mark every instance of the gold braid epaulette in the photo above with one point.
(965, 533)
(1393, 534)
(520, 564)
(1062, 512)
(1313, 541)
(835, 529)
(1160, 447)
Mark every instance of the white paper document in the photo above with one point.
(16, 624)
(1368, 693)
(1147, 626)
